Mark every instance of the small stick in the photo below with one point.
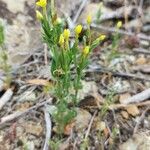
(138, 97)
(122, 74)
(5, 98)
(45, 54)
(79, 11)
(90, 125)
(119, 106)
(141, 50)
(140, 120)
(110, 29)
(1, 85)
(20, 113)
(48, 128)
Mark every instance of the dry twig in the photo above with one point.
(48, 128)
(140, 120)
(119, 106)
(5, 98)
(118, 74)
(79, 11)
(138, 97)
(141, 50)
(17, 114)
(90, 125)
(110, 29)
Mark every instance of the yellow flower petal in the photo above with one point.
(41, 3)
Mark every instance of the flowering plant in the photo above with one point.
(68, 60)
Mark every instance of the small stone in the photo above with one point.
(123, 97)
(100, 126)
(141, 60)
(125, 115)
(144, 43)
(28, 96)
(19, 131)
(33, 128)
(30, 145)
(82, 119)
(139, 141)
(133, 110)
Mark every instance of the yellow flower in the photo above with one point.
(41, 3)
(66, 34)
(102, 37)
(86, 50)
(78, 29)
(119, 24)
(39, 16)
(61, 40)
(89, 19)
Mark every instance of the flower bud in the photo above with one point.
(66, 34)
(86, 50)
(39, 16)
(102, 37)
(119, 24)
(89, 19)
(61, 40)
(78, 29)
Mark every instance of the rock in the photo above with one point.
(145, 43)
(107, 13)
(92, 9)
(123, 97)
(82, 120)
(30, 145)
(67, 6)
(125, 115)
(133, 110)
(28, 96)
(100, 126)
(137, 142)
(88, 88)
(19, 131)
(15, 5)
(141, 60)
(146, 19)
(33, 128)
(136, 23)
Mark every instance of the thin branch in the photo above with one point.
(141, 50)
(118, 74)
(48, 128)
(110, 29)
(90, 125)
(140, 120)
(5, 98)
(119, 106)
(79, 11)
(17, 114)
(144, 95)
